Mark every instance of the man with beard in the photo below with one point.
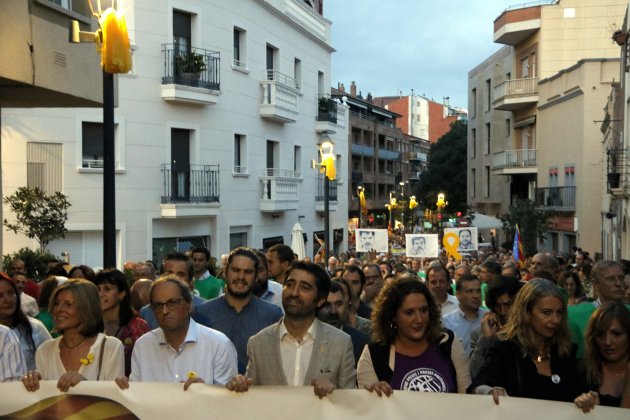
(238, 313)
(500, 298)
(336, 311)
(299, 349)
(267, 290)
(280, 257)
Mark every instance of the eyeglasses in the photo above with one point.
(170, 304)
(615, 279)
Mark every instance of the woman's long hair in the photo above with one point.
(19, 321)
(384, 329)
(116, 278)
(600, 321)
(87, 303)
(519, 326)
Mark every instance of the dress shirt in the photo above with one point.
(457, 322)
(207, 353)
(12, 365)
(238, 326)
(29, 305)
(273, 294)
(296, 356)
(450, 304)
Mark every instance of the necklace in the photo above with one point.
(69, 347)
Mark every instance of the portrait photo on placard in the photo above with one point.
(371, 240)
(421, 245)
(467, 238)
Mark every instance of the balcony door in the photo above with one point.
(180, 164)
(182, 37)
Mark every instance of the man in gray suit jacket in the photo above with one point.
(299, 349)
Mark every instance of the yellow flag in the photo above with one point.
(115, 50)
(363, 203)
(328, 167)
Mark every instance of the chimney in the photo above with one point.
(353, 89)
(369, 97)
(341, 87)
(446, 101)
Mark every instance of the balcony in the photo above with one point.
(279, 97)
(362, 150)
(389, 154)
(418, 156)
(511, 162)
(328, 111)
(414, 176)
(191, 76)
(556, 198)
(618, 173)
(189, 189)
(519, 22)
(515, 94)
(319, 198)
(279, 190)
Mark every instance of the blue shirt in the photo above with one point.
(457, 322)
(238, 326)
(146, 312)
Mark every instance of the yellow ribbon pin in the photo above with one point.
(451, 243)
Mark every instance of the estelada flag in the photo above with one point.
(517, 249)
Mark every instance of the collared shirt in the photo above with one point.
(296, 356)
(238, 326)
(208, 286)
(457, 322)
(273, 294)
(12, 364)
(205, 353)
(450, 304)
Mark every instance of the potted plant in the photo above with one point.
(190, 65)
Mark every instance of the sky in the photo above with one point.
(389, 46)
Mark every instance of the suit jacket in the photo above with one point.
(332, 357)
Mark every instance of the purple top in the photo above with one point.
(429, 372)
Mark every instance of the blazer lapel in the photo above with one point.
(276, 361)
(319, 355)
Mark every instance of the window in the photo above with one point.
(473, 179)
(240, 154)
(238, 239)
(488, 138)
(553, 177)
(43, 166)
(508, 127)
(473, 106)
(473, 135)
(240, 50)
(569, 175)
(297, 73)
(488, 94)
(92, 145)
(486, 192)
(321, 86)
(339, 168)
(297, 160)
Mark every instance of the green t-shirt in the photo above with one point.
(578, 317)
(210, 287)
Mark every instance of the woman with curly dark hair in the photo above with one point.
(410, 350)
(118, 316)
(570, 281)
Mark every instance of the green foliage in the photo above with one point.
(190, 62)
(39, 215)
(35, 262)
(533, 224)
(446, 171)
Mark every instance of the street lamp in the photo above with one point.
(362, 203)
(115, 58)
(327, 167)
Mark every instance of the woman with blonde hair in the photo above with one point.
(533, 356)
(607, 357)
(410, 350)
(82, 352)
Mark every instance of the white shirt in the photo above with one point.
(296, 356)
(29, 305)
(206, 352)
(12, 365)
(450, 304)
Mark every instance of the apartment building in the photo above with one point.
(524, 154)
(215, 130)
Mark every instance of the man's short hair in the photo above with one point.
(492, 267)
(336, 287)
(262, 258)
(466, 277)
(439, 267)
(285, 253)
(597, 272)
(322, 281)
(246, 252)
(184, 290)
(201, 250)
(180, 256)
(503, 285)
(355, 269)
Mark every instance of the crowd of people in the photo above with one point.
(555, 328)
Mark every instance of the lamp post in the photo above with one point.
(327, 166)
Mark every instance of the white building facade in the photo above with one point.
(218, 155)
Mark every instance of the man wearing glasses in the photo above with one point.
(180, 350)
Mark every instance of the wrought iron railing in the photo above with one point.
(332, 191)
(195, 67)
(190, 183)
(327, 109)
(618, 168)
(556, 198)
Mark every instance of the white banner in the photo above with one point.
(160, 400)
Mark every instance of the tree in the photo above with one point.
(533, 224)
(39, 215)
(446, 170)
(35, 262)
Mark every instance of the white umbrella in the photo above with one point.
(297, 241)
(481, 221)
